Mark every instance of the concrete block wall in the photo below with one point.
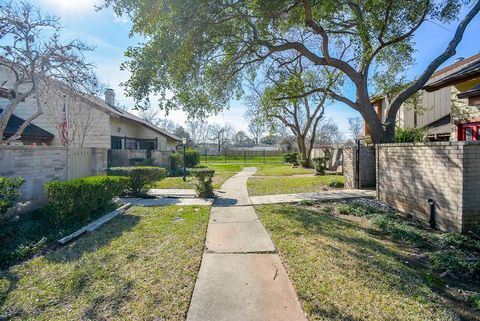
(39, 165)
(367, 166)
(445, 172)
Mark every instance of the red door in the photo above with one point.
(469, 131)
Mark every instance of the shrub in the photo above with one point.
(81, 198)
(203, 181)
(8, 192)
(139, 176)
(192, 157)
(320, 165)
(136, 161)
(291, 158)
(176, 160)
(411, 135)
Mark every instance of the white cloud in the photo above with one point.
(71, 7)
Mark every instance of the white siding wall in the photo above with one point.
(98, 133)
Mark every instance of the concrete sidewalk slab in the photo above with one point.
(167, 201)
(334, 195)
(172, 192)
(245, 237)
(233, 214)
(247, 287)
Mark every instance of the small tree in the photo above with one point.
(36, 61)
(355, 126)
(257, 129)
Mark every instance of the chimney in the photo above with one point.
(110, 96)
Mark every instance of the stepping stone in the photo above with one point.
(246, 287)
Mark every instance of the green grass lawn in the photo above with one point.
(242, 160)
(350, 262)
(222, 173)
(290, 185)
(177, 182)
(140, 266)
(281, 170)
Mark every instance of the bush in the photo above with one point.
(8, 192)
(203, 181)
(82, 198)
(192, 157)
(176, 160)
(136, 161)
(411, 135)
(320, 164)
(291, 158)
(139, 177)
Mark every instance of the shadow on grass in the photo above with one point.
(91, 242)
(72, 253)
(375, 255)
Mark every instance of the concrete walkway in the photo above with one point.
(241, 277)
(172, 192)
(167, 201)
(318, 196)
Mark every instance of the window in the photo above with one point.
(116, 143)
(130, 143)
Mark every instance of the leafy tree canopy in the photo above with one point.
(197, 53)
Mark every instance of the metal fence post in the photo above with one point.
(264, 160)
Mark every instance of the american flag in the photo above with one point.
(63, 126)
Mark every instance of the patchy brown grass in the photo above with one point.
(140, 266)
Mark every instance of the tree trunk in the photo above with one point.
(302, 147)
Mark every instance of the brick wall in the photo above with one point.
(446, 172)
(38, 165)
(367, 166)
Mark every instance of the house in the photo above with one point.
(436, 104)
(92, 123)
(464, 85)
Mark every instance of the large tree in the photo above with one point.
(32, 54)
(221, 135)
(197, 52)
(279, 101)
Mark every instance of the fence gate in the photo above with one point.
(79, 162)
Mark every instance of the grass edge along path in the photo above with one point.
(141, 265)
(292, 185)
(376, 267)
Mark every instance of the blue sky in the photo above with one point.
(110, 35)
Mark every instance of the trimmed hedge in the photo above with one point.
(139, 177)
(8, 192)
(203, 181)
(82, 198)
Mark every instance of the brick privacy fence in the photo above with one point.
(446, 172)
(367, 166)
(41, 164)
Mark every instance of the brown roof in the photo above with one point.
(456, 65)
(125, 115)
(469, 72)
